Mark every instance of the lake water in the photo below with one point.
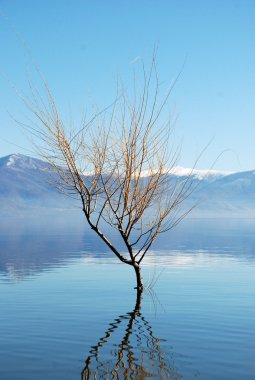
(69, 310)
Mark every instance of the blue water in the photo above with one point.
(69, 310)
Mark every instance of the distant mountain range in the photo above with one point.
(27, 184)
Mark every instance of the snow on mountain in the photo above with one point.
(179, 171)
(22, 162)
(27, 183)
(198, 173)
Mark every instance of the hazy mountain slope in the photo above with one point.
(228, 195)
(26, 183)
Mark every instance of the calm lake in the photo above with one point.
(68, 308)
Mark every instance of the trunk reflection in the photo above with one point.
(138, 354)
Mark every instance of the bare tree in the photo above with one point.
(118, 164)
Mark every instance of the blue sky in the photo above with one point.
(82, 46)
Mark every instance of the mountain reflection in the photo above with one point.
(129, 350)
(30, 245)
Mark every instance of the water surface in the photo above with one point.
(69, 310)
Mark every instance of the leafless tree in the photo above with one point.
(119, 165)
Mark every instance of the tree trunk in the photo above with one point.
(139, 280)
(137, 309)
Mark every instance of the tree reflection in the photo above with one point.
(136, 354)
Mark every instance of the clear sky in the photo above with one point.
(82, 46)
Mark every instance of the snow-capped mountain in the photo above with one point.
(27, 183)
(22, 162)
(209, 175)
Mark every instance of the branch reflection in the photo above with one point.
(129, 350)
